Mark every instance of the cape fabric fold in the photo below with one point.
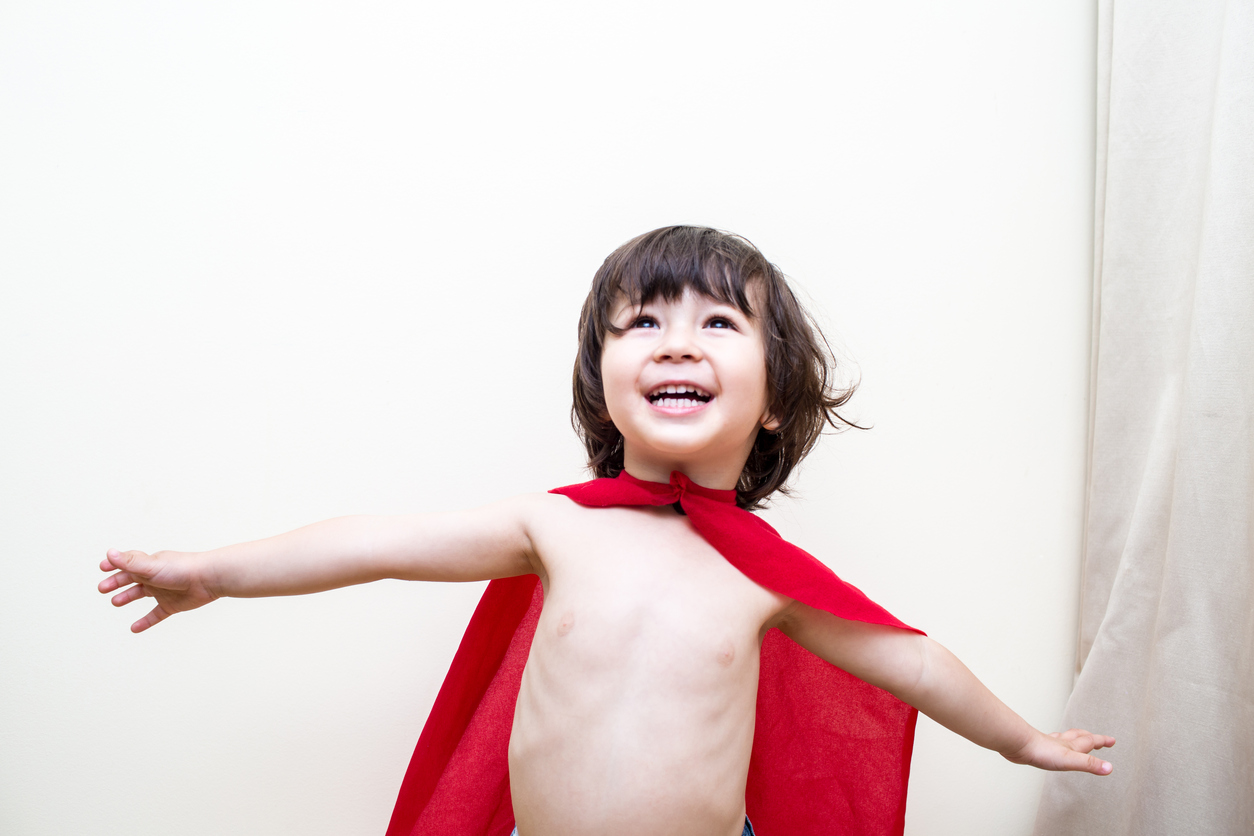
(831, 753)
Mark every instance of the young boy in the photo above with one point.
(646, 695)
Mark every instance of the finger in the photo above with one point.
(1075, 734)
(124, 597)
(1084, 741)
(114, 558)
(1102, 741)
(1087, 763)
(131, 561)
(155, 616)
(1081, 742)
(117, 581)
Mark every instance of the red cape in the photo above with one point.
(831, 754)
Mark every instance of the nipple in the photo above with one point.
(564, 626)
(726, 653)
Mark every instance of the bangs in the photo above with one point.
(666, 262)
(668, 278)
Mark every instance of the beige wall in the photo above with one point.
(263, 264)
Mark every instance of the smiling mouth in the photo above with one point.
(678, 396)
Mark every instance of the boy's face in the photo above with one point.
(686, 386)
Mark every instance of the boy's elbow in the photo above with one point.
(901, 665)
(915, 676)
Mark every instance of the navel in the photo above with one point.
(726, 653)
(566, 624)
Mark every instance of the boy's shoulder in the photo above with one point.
(550, 515)
(539, 512)
(551, 507)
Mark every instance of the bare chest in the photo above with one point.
(625, 583)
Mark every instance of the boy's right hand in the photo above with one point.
(169, 577)
(480, 544)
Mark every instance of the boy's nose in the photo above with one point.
(677, 344)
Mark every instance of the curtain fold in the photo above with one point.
(1166, 649)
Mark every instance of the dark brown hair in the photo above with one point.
(801, 391)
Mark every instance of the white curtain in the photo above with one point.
(1166, 655)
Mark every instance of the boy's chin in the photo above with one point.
(673, 447)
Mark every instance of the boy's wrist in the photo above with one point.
(203, 569)
(1019, 751)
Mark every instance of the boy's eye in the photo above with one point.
(643, 322)
(720, 322)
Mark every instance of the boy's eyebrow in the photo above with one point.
(730, 305)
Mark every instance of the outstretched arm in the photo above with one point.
(921, 672)
(484, 543)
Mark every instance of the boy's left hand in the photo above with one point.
(1064, 752)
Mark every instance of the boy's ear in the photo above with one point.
(770, 423)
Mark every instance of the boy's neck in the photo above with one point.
(723, 477)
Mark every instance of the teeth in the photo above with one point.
(679, 396)
(679, 389)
